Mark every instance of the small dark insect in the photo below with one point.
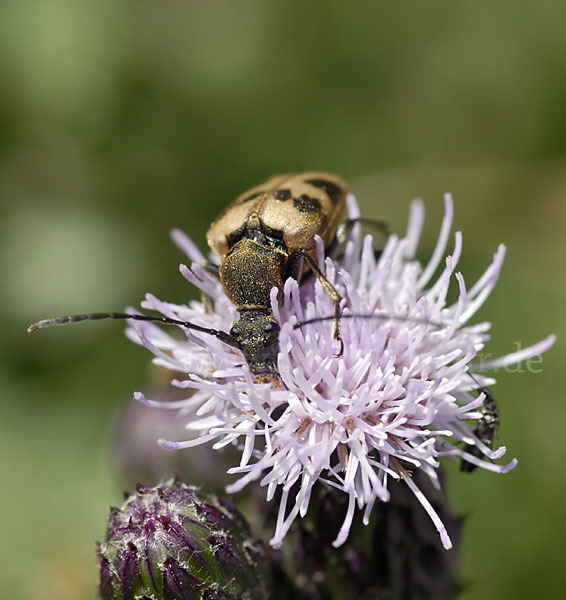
(266, 235)
(485, 430)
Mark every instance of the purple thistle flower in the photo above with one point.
(174, 541)
(398, 399)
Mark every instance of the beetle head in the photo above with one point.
(257, 333)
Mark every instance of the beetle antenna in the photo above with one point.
(221, 335)
(373, 316)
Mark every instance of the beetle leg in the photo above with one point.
(332, 293)
(336, 247)
(294, 266)
(211, 269)
(205, 299)
(347, 225)
(206, 302)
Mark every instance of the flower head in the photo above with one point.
(174, 541)
(399, 398)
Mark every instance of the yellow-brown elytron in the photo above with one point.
(263, 237)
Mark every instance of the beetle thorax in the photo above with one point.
(249, 271)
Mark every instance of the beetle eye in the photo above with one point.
(268, 327)
(235, 331)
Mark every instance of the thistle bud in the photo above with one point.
(173, 541)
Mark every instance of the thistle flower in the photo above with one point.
(398, 399)
(174, 541)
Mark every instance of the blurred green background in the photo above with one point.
(122, 119)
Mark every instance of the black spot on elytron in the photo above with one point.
(282, 194)
(248, 198)
(333, 191)
(306, 204)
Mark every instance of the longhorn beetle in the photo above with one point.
(266, 235)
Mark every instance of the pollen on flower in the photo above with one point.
(399, 398)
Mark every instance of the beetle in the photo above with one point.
(266, 235)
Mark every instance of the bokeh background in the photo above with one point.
(122, 119)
